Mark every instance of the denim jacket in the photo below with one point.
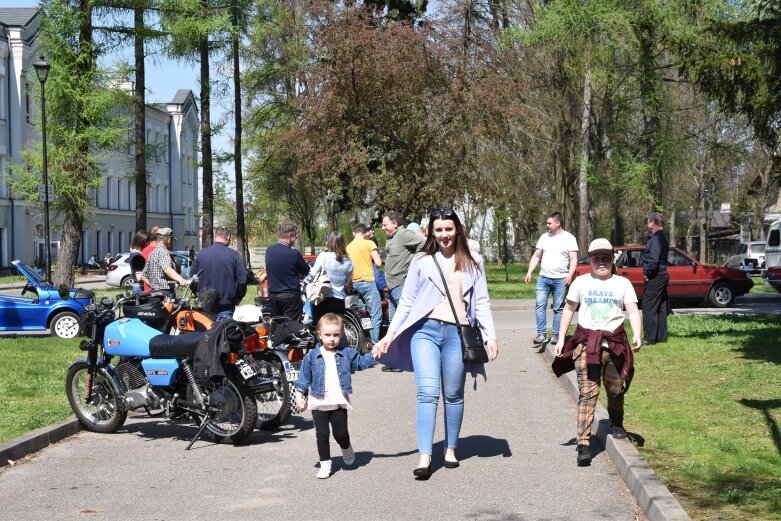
(312, 374)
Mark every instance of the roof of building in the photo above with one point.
(17, 16)
(181, 96)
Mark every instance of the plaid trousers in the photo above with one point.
(588, 383)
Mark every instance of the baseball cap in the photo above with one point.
(165, 232)
(600, 245)
(413, 227)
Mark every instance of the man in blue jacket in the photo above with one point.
(655, 273)
(222, 271)
(285, 267)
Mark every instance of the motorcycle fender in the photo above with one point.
(160, 372)
(291, 371)
(107, 371)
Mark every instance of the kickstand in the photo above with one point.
(204, 423)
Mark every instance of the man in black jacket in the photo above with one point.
(655, 303)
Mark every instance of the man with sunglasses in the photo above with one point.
(557, 254)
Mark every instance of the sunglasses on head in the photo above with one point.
(441, 212)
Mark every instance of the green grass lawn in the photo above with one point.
(704, 409)
(708, 408)
(506, 282)
(32, 383)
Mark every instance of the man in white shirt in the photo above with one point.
(557, 254)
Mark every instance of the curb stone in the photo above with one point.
(651, 494)
(17, 448)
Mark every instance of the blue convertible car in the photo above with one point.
(40, 307)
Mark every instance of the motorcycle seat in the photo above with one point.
(167, 346)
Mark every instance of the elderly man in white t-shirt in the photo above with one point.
(557, 254)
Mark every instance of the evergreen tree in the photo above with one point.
(83, 125)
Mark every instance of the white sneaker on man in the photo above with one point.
(325, 470)
(348, 455)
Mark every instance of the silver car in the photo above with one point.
(750, 257)
(118, 274)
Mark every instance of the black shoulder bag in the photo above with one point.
(472, 343)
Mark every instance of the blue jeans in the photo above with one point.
(439, 368)
(394, 296)
(546, 286)
(371, 297)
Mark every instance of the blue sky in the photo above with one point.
(163, 77)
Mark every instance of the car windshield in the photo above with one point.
(758, 248)
(34, 275)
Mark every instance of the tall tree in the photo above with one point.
(192, 24)
(240, 12)
(141, 33)
(82, 123)
(736, 61)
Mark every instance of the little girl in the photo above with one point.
(325, 375)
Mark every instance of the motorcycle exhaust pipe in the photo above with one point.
(265, 385)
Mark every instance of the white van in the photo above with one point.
(773, 248)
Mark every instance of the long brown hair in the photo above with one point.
(464, 259)
(336, 244)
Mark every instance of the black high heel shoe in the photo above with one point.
(422, 473)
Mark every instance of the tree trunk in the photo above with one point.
(241, 232)
(139, 108)
(650, 111)
(703, 226)
(73, 220)
(207, 216)
(72, 227)
(583, 235)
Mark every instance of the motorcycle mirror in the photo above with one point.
(64, 292)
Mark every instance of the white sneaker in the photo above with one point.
(325, 470)
(348, 455)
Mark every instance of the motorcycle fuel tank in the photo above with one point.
(128, 337)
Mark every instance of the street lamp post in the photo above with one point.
(42, 70)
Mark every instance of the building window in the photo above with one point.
(3, 94)
(27, 101)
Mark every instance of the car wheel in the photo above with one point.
(65, 325)
(127, 282)
(721, 295)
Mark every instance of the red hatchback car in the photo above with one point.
(690, 280)
(774, 277)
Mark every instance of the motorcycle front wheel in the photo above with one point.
(105, 411)
(235, 413)
(274, 406)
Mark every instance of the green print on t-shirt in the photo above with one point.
(599, 312)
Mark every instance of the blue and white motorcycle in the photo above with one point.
(155, 371)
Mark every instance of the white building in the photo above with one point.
(171, 135)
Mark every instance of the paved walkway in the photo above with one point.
(517, 452)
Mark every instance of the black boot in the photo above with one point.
(584, 455)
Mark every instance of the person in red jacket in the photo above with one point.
(600, 349)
